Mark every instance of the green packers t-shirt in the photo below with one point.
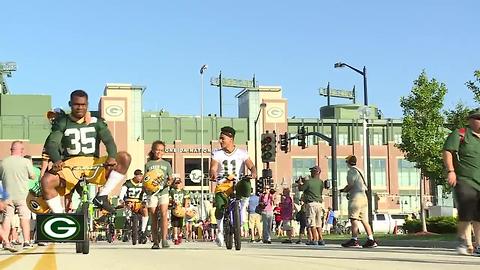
(467, 166)
(160, 165)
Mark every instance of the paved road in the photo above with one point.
(199, 256)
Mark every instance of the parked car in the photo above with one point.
(384, 223)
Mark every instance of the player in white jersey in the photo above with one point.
(229, 163)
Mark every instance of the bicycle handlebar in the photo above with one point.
(93, 168)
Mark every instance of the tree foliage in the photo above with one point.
(423, 132)
(458, 117)
(474, 86)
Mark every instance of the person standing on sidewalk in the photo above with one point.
(286, 205)
(312, 193)
(15, 172)
(266, 200)
(357, 204)
(254, 218)
(461, 156)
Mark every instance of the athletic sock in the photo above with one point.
(114, 179)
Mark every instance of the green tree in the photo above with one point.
(423, 132)
(458, 117)
(474, 86)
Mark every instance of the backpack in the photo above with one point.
(461, 133)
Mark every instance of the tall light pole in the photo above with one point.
(255, 135)
(202, 70)
(366, 138)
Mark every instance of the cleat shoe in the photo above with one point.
(370, 243)
(155, 246)
(351, 243)
(219, 240)
(165, 244)
(103, 203)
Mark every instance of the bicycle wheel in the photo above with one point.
(236, 225)
(85, 245)
(227, 230)
(134, 219)
(110, 232)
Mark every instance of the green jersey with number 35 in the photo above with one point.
(77, 138)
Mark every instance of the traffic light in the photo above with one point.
(284, 142)
(259, 186)
(301, 136)
(268, 147)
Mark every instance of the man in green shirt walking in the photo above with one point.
(312, 194)
(461, 157)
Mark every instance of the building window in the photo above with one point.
(342, 171)
(300, 167)
(408, 175)
(194, 164)
(342, 139)
(377, 139)
(379, 173)
(397, 138)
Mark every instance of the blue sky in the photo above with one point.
(60, 46)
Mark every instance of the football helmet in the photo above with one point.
(179, 211)
(37, 204)
(153, 181)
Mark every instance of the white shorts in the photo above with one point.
(156, 200)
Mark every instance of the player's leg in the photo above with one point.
(116, 177)
(49, 183)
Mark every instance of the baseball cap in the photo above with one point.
(228, 131)
(315, 169)
(474, 114)
(351, 159)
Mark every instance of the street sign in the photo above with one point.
(226, 82)
(337, 93)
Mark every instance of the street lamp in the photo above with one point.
(366, 136)
(202, 70)
(262, 106)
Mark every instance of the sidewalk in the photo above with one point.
(406, 243)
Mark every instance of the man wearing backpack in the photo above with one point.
(461, 157)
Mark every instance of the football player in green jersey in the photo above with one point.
(177, 196)
(78, 135)
(132, 196)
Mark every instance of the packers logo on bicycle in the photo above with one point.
(60, 227)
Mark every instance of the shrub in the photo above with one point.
(434, 224)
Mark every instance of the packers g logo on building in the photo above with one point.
(61, 228)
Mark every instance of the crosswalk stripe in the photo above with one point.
(47, 261)
(14, 258)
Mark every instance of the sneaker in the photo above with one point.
(16, 242)
(42, 244)
(165, 244)
(103, 203)
(155, 246)
(321, 243)
(310, 243)
(220, 240)
(287, 241)
(462, 249)
(258, 240)
(351, 243)
(370, 243)
(298, 242)
(251, 241)
(267, 242)
(27, 245)
(476, 252)
(176, 242)
(10, 248)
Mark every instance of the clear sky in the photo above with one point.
(60, 46)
